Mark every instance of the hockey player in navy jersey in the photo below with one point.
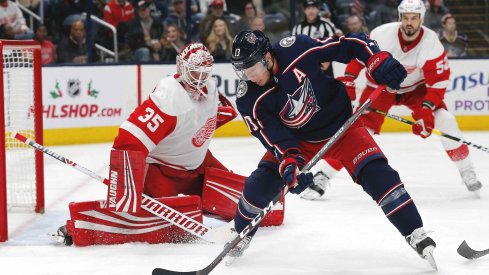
(293, 109)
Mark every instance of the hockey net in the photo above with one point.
(21, 168)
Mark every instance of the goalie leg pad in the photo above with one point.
(92, 224)
(222, 191)
(126, 181)
(260, 188)
(384, 185)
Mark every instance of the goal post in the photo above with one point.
(21, 168)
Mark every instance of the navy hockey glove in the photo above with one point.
(385, 69)
(289, 170)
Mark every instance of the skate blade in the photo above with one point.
(229, 260)
(428, 256)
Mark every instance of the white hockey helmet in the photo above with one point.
(412, 6)
(194, 65)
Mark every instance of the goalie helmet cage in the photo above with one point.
(21, 167)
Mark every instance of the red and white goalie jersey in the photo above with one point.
(424, 59)
(170, 127)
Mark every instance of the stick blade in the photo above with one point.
(465, 251)
(162, 271)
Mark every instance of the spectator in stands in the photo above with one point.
(358, 9)
(11, 14)
(216, 11)
(244, 23)
(73, 49)
(172, 43)
(355, 24)
(455, 43)
(48, 50)
(144, 35)
(177, 17)
(7, 32)
(383, 12)
(434, 14)
(315, 27)
(219, 41)
(119, 13)
(258, 24)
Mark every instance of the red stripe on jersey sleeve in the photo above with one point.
(435, 71)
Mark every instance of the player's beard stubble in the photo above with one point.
(410, 30)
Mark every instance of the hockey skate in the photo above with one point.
(61, 236)
(423, 245)
(318, 188)
(238, 250)
(469, 178)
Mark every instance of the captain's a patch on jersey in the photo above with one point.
(242, 89)
(287, 41)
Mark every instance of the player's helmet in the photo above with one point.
(249, 47)
(194, 65)
(412, 6)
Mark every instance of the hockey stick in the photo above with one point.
(259, 218)
(435, 131)
(149, 204)
(465, 251)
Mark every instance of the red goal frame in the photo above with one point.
(38, 131)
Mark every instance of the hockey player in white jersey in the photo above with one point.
(419, 50)
(162, 150)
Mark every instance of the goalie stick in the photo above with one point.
(435, 131)
(259, 218)
(465, 251)
(149, 204)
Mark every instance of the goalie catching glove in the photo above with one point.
(290, 171)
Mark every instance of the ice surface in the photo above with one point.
(346, 233)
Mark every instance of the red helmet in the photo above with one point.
(194, 65)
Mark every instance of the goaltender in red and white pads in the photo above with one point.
(172, 130)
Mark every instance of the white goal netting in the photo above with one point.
(18, 91)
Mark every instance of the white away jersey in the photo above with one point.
(424, 59)
(170, 127)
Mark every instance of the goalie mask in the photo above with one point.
(194, 65)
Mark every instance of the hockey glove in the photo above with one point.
(349, 81)
(289, 170)
(425, 121)
(225, 111)
(385, 69)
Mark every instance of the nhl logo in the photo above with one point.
(287, 41)
(74, 87)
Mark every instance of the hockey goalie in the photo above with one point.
(162, 150)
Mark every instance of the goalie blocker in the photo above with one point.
(94, 222)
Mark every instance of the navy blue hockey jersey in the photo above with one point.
(302, 103)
